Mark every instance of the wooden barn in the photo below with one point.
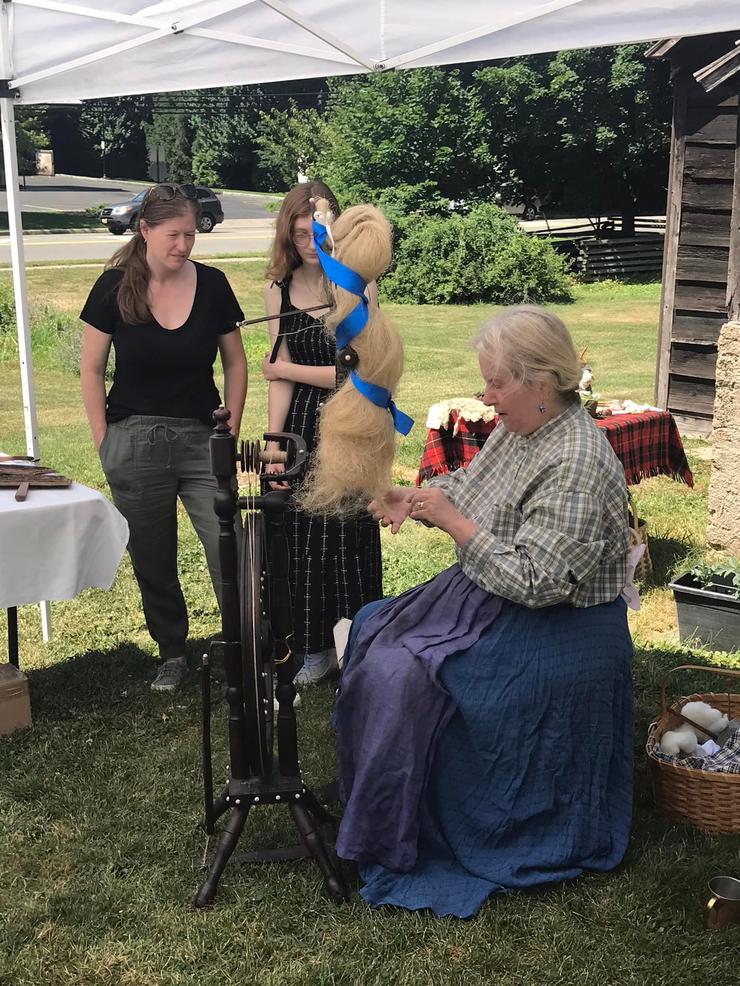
(701, 262)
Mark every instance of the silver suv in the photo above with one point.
(119, 218)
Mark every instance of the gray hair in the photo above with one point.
(531, 344)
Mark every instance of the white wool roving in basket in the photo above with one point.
(686, 738)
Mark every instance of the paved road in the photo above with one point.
(234, 236)
(64, 193)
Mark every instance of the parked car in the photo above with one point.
(119, 218)
(527, 209)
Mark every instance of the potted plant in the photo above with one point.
(708, 604)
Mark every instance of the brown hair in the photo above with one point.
(297, 203)
(131, 258)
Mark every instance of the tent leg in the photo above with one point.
(10, 157)
(45, 610)
(7, 118)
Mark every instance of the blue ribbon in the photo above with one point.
(344, 277)
(381, 397)
(351, 326)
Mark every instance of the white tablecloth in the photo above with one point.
(57, 542)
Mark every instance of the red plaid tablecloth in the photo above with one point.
(646, 444)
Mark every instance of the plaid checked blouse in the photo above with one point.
(552, 514)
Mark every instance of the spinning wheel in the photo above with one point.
(256, 632)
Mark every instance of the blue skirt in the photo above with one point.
(531, 781)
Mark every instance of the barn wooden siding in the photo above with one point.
(699, 267)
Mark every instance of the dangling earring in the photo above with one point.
(541, 407)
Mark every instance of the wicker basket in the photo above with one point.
(639, 535)
(710, 801)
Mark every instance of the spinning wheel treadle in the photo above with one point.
(256, 633)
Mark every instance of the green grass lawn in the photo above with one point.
(89, 219)
(99, 853)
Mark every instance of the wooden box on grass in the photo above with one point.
(15, 706)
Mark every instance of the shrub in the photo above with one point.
(478, 257)
(404, 204)
(529, 271)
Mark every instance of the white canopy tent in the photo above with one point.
(60, 51)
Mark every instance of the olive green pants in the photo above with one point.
(149, 462)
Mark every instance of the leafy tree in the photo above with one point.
(407, 128)
(172, 132)
(225, 127)
(222, 151)
(586, 129)
(517, 129)
(30, 136)
(611, 109)
(289, 142)
(114, 129)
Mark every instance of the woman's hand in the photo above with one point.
(432, 507)
(275, 469)
(271, 371)
(393, 509)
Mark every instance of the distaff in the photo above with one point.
(353, 323)
(356, 446)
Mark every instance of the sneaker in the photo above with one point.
(170, 674)
(316, 667)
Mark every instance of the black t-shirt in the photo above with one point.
(165, 372)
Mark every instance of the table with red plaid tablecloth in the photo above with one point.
(647, 444)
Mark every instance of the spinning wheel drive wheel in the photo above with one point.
(257, 650)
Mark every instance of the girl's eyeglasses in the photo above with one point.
(302, 237)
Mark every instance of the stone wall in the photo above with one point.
(723, 527)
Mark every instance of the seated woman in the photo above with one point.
(484, 719)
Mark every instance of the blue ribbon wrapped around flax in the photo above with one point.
(381, 397)
(341, 275)
(351, 326)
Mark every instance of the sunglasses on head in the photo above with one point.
(167, 190)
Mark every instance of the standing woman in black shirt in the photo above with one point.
(166, 317)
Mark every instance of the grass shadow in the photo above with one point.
(109, 680)
(665, 554)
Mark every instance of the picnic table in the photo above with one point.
(647, 444)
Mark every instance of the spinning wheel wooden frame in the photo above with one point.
(255, 645)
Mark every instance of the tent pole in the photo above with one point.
(18, 263)
(7, 114)
(10, 158)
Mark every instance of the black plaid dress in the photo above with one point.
(335, 564)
